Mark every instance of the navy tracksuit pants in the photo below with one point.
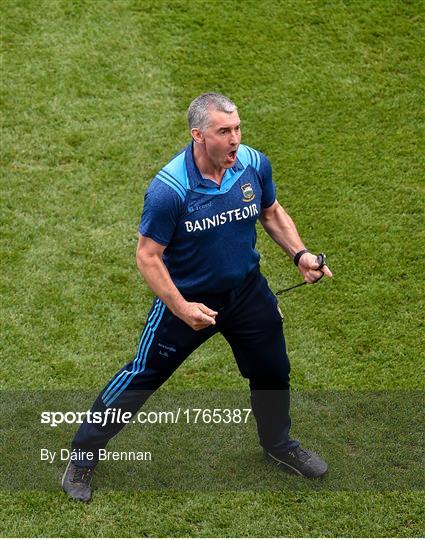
(249, 319)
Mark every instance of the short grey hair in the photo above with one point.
(198, 112)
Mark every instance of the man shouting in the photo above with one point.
(196, 251)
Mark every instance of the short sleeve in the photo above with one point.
(268, 186)
(161, 211)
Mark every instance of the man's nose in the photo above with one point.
(234, 137)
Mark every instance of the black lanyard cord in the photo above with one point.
(321, 261)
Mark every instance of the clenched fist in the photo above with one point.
(198, 316)
(309, 268)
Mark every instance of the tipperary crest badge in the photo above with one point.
(247, 192)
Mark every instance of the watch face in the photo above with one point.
(321, 259)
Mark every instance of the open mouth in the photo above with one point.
(232, 155)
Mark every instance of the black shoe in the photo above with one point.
(76, 482)
(299, 461)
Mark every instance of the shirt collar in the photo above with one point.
(195, 176)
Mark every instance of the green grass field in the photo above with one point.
(94, 94)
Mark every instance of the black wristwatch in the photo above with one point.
(298, 256)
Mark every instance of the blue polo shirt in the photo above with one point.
(208, 230)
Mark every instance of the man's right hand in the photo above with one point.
(197, 316)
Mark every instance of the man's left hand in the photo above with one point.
(309, 268)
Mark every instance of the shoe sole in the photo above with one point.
(64, 474)
(290, 468)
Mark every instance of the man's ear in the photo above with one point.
(197, 135)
